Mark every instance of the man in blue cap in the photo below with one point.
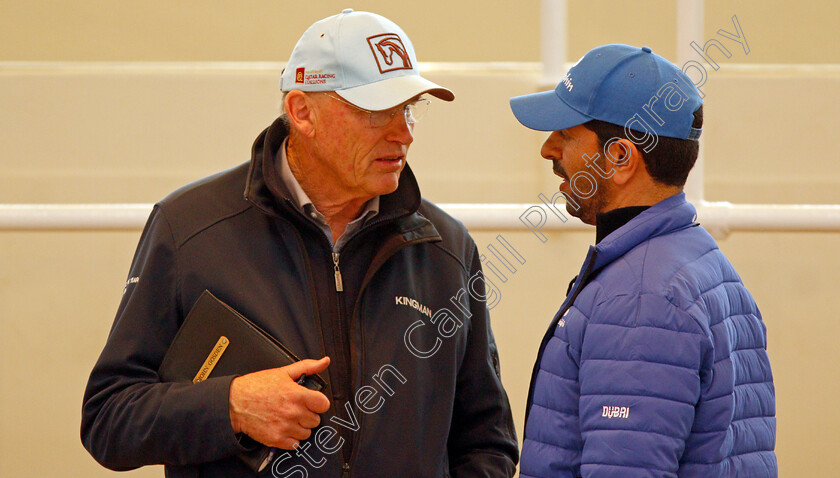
(656, 362)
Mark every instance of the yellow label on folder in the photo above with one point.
(212, 359)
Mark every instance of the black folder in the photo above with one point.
(216, 340)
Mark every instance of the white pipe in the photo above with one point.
(719, 218)
(690, 22)
(553, 41)
(722, 218)
(73, 216)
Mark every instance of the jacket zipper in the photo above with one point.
(344, 344)
(345, 470)
(339, 283)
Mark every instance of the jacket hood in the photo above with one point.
(264, 187)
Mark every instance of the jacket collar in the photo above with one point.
(664, 217)
(265, 188)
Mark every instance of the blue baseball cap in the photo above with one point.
(619, 84)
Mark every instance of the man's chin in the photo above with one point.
(578, 213)
(387, 185)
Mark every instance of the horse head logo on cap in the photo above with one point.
(390, 53)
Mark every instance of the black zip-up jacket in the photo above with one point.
(414, 378)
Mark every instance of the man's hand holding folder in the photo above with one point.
(274, 399)
(272, 408)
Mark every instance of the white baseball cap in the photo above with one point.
(362, 56)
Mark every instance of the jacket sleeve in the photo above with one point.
(482, 439)
(644, 365)
(130, 418)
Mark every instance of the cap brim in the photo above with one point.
(545, 111)
(386, 94)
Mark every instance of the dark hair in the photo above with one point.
(669, 162)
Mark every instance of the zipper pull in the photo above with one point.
(339, 284)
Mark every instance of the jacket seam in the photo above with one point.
(731, 317)
(553, 445)
(719, 284)
(755, 382)
(679, 271)
(555, 374)
(176, 253)
(755, 417)
(709, 399)
(699, 334)
(589, 463)
(653, 362)
(729, 357)
(745, 349)
(596, 463)
(567, 412)
(453, 255)
(629, 430)
(656, 397)
(683, 312)
(707, 463)
(754, 452)
(212, 223)
(707, 432)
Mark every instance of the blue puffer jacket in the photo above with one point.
(656, 363)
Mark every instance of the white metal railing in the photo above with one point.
(719, 218)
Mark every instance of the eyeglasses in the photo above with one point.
(378, 119)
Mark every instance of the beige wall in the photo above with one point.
(778, 31)
(132, 133)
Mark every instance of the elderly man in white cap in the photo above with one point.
(323, 241)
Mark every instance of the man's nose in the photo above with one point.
(547, 151)
(400, 130)
(551, 146)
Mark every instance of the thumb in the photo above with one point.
(317, 401)
(308, 367)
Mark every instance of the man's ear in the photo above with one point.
(300, 109)
(626, 159)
